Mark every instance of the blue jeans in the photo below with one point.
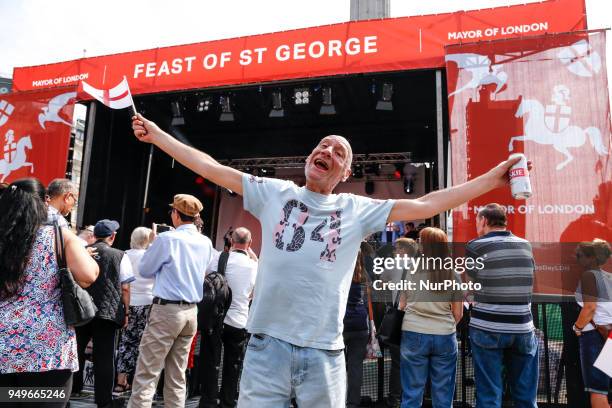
(522, 373)
(423, 357)
(275, 371)
(594, 379)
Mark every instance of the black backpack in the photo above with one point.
(217, 298)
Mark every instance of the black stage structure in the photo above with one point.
(116, 163)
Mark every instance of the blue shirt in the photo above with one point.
(178, 260)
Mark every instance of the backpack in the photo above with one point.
(217, 298)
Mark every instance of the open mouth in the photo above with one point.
(321, 165)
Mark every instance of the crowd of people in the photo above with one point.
(294, 324)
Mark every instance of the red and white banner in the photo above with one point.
(117, 97)
(35, 134)
(546, 97)
(354, 47)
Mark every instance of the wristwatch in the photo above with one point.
(577, 330)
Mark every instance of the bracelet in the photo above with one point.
(577, 329)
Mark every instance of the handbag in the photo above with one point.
(373, 348)
(78, 305)
(391, 325)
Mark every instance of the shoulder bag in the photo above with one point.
(391, 325)
(79, 308)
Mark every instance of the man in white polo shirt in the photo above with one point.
(240, 273)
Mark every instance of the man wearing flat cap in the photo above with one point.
(111, 295)
(177, 260)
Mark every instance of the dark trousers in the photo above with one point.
(53, 378)
(355, 347)
(395, 384)
(104, 336)
(234, 342)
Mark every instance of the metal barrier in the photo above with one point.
(560, 381)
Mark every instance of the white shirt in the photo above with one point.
(54, 215)
(240, 273)
(141, 289)
(126, 274)
(603, 310)
(309, 248)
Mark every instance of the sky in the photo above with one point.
(34, 32)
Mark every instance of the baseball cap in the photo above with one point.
(187, 204)
(105, 228)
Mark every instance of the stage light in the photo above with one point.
(266, 171)
(408, 185)
(301, 96)
(277, 105)
(369, 187)
(327, 108)
(177, 114)
(358, 171)
(399, 171)
(385, 99)
(204, 104)
(199, 180)
(372, 168)
(226, 109)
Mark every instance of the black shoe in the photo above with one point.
(76, 396)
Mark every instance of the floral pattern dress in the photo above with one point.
(33, 334)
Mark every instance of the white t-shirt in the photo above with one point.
(603, 311)
(309, 248)
(141, 288)
(240, 273)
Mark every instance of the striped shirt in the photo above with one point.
(503, 304)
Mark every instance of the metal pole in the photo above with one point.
(440, 141)
(146, 192)
(546, 352)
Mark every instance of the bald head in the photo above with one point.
(347, 145)
(241, 238)
(328, 164)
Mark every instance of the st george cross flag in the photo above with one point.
(118, 97)
(604, 361)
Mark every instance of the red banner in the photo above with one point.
(354, 47)
(35, 132)
(546, 97)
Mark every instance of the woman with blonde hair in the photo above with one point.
(594, 294)
(428, 347)
(141, 299)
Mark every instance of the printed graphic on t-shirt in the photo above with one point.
(321, 233)
(255, 179)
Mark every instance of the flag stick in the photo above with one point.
(134, 111)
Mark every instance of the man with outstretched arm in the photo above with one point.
(310, 239)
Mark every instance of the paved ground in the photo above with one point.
(89, 402)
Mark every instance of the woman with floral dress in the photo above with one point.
(37, 348)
